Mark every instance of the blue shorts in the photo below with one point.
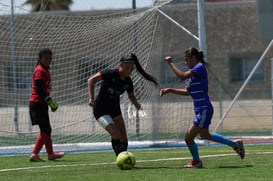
(203, 117)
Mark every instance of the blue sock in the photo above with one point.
(194, 151)
(224, 140)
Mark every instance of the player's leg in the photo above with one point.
(119, 122)
(36, 111)
(204, 133)
(200, 125)
(46, 134)
(108, 124)
(34, 157)
(192, 132)
(46, 130)
(104, 114)
(238, 145)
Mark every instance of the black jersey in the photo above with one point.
(112, 86)
(108, 98)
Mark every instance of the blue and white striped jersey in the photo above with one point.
(198, 87)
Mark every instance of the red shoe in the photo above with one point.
(35, 158)
(55, 156)
(194, 164)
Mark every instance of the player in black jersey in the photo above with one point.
(106, 106)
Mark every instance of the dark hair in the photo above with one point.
(133, 59)
(199, 54)
(44, 52)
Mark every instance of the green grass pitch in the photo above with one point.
(220, 163)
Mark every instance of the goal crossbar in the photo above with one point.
(178, 24)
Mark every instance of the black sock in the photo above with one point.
(116, 146)
(124, 146)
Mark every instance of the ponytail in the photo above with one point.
(133, 58)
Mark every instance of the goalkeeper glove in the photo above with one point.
(52, 104)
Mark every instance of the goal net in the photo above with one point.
(82, 44)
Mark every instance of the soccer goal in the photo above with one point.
(82, 44)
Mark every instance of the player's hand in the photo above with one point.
(168, 59)
(91, 103)
(163, 91)
(137, 106)
(52, 103)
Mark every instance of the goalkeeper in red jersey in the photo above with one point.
(38, 106)
(106, 106)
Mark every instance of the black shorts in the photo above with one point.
(106, 109)
(38, 113)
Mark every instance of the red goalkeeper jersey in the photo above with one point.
(40, 73)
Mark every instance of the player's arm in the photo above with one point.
(177, 71)
(91, 84)
(133, 100)
(38, 88)
(183, 91)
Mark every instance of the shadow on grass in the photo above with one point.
(179, 168)
(154, 168)
(236, 166)
(52, 161)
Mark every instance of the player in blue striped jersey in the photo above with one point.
(196, 80)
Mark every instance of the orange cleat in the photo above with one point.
(194, 164)
(55, 156)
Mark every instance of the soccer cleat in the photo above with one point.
(240, 150)
(35, 158)
(194, 164)
(55, 156)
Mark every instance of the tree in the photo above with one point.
(49, 5)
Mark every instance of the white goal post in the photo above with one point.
(269, 47)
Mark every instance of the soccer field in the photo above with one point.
(220, 163)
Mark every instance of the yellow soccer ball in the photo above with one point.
(126, 160)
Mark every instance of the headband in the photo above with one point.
(130, 60)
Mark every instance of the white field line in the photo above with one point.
(55, 166)
(112, 163)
